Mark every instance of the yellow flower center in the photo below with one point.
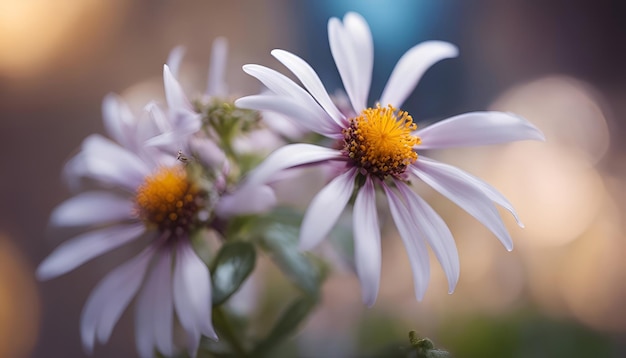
(379, 141)
(168, 200)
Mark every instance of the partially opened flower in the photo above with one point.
(378, 147)
(149, 196)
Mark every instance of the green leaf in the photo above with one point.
(281, 243)
(234, 262)
(286, 324)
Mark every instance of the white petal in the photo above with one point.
(282, 85)
(353, 51)
(285, 87)
(247, 200)
(294, 109)
(283, 125)
(413, 242)
(478, 128)
(192, 296)
(158, 117)
(367, 251)
(207, 151)
(144, 319)
(184, 123)
(175, 58)
(216, 86)
(469, 197)
(325, 208)
(89, 208)
(74, 170)
(289, 156)
(174, 93)
(118, 119)
(434, 229)
(147, 126)
(311, 81)
(154, 312)
(109, 299)
(410, 68)
(164, 305)
(111, 164)
(83, 248)
(480, 184)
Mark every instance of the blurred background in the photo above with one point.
(560, 64)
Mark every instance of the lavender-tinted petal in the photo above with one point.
(110, 297)
(83, 248)
(311, 81)
(410, 68)
(154, 313)
(164, 315)
(352, 48)
(325, 208)
(292, 108)
(216, 86)
(91, 208)
(117, 119)
(209, 153)
(434, 229)
(477, 128)
(192, 296)
(175, 58)
(247, 200)
(174, 94)
(111, 164)
(413, 242)
(159, 118)
(469, 197)
(486, 188)
(286, 88)
(367, 250)
(184, 123)
(288, 156)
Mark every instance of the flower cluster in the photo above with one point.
(176, 170)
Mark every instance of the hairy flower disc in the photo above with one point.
(379, 141)
(168, 200)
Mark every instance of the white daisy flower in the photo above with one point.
(379, 147)
(149, 196)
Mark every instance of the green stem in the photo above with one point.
(227, 332)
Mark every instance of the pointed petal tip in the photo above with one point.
(275, 51)
(213, 336)
(247, 67)
(537, 135)
(420, 297)
(220, 41)
(454, 49)
(41, 274)
(369, 302)
(452, 286)
(88, 349)
(352, 15)
(238, 102)
(304, 245)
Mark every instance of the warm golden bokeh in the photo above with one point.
(19, 302)
(34, 33)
